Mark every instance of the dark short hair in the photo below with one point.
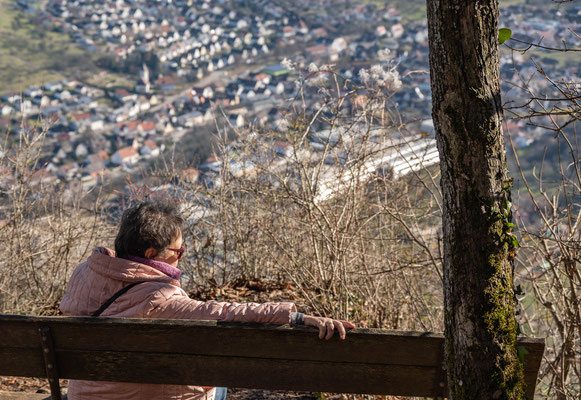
(149, 224)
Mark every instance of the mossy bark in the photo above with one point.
(481, 354)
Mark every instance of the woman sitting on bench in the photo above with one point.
(140, 279)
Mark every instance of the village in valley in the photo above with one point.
(192, 64)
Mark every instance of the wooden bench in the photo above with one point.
(210, 353)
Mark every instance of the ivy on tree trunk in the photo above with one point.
(480, 327)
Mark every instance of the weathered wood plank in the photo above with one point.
(252, 340)
(245, 372)
(22, 362)
(242, 372)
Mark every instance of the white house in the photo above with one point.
(195, 118)
(6, 109)
(97, 123)
(149, 149)
(125, 156)
(53, 86)
(33, 91)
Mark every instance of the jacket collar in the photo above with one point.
(104, 262)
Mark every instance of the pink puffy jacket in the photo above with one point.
(102, 275)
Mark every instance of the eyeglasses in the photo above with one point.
(180, 251)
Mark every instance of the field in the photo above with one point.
(33, 54)
(565, 59)
(415, 10)
(27, 51)
(107, 79)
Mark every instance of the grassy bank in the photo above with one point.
(415, 10)
(32, 54)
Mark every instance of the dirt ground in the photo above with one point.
(36, 385)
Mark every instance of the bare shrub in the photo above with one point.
(548, 267)
(323, 204)
(45, 230)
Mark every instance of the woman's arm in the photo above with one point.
(179, 306)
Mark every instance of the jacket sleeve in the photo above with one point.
(179, 306)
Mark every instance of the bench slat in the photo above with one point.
(248, 372)
(252, 340)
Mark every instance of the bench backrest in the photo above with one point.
(254, 356)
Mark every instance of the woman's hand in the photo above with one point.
(327, 326)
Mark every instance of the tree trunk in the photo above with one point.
(480, 326)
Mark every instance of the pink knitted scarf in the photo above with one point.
(167, 269)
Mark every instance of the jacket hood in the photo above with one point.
(103, 262)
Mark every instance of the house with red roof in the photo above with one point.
(125, 156)
(319, 33)
(147, 128)
(124, 96)
(318, 51)
(150, 149)
(288, 31)
(166, 83)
